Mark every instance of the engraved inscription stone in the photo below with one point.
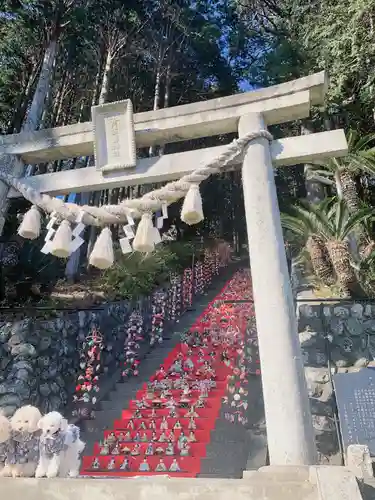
(355, 395)
(114, 136)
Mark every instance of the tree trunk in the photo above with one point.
(35, 113)
(103, 96)
(340, 257)
(32, 122)
(152, 150)
(57, 108)
(320, 260)
(167, 96)
(349, 190)
(16, 123)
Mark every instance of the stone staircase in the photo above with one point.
(232, 447)
(118, 393)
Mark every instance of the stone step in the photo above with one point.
(284, 473)
(160, 488)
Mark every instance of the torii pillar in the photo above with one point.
(290, 432)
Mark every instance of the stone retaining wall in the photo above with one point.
(39, 359)
(341, 337)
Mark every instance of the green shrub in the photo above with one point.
(138, 274)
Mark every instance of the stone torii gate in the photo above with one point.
(288, 417)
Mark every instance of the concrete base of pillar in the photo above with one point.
(268, 483)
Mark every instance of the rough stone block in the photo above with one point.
(336, 483)
(358, 460)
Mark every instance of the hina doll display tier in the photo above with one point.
(166, 429)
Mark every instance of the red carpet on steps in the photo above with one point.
(149, 438)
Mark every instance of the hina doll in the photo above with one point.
(174, 466)
(169, 451)
(137, 414)
(125, 466)
(173, 413)
(130, 425)
(192, 438)
(149, 450)
(115, 450)
(153, 413)
(186, 392)
(165, 394)
(154, 437)
(192, 425)
(162, 437)
(144, 467)
(160, 374)
(188, 365)
(136, 450)
(200, 403)
(177, 425)
(121, 437)
(144, 438)
(112, 439)
(176, 368)
(192, 412)
(95, 464)
(125, 450)
(182, 440)
(137, 437)
(164, 424)
(152, 425)
(127, 437)
(171, 403)
(142, 426)
(104, 448)
(111, 464)
(203, 389)
(161, 467)
(150, 393)
(184, 450)
(144, 403)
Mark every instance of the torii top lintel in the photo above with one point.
(279, 103)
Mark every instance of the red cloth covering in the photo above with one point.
(205, 422)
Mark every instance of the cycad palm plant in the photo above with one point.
(327, 228)
(341, 172)
(301, 224)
